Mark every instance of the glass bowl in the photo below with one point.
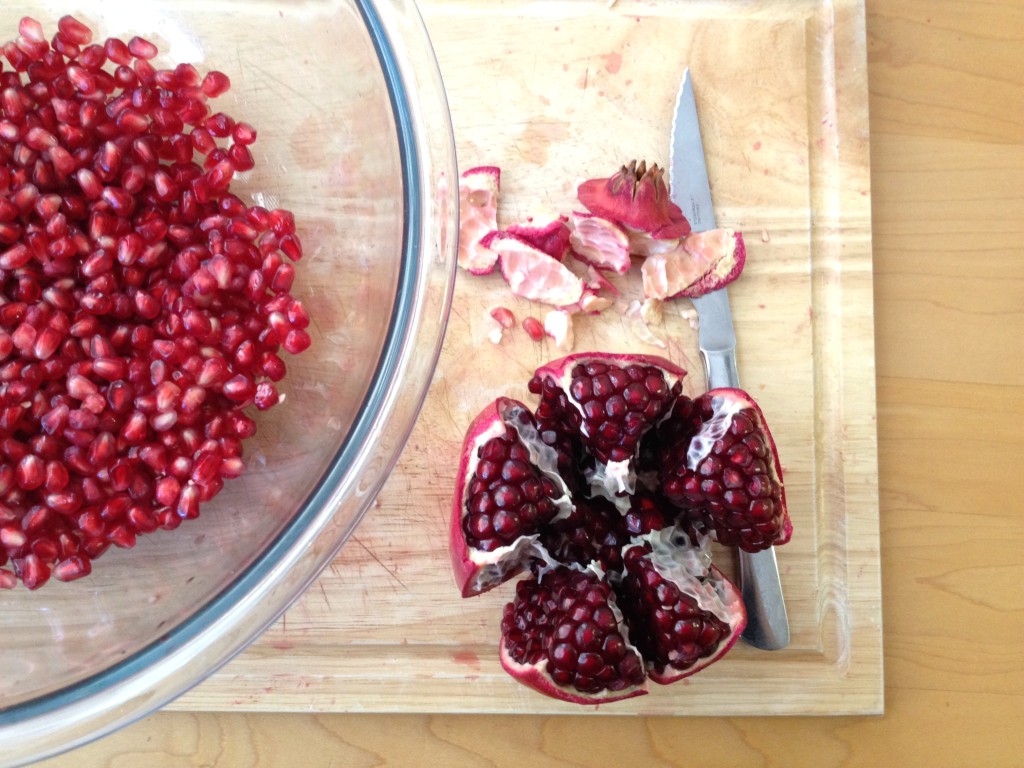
(353, 137)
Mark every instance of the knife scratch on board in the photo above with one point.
(380, 562)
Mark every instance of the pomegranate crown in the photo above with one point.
(636, 196)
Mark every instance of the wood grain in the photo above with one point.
(947, 143)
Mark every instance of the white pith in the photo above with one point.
(687, 564)
(712, 430)
(493, 566)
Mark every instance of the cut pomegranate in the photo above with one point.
(591, 495)
(619, 398)
(511, 488)
(131, 336)
(563, 636)
(718, 462)
(478, 212)
(683, 613)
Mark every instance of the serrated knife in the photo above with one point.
(767, 622)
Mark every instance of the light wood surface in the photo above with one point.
(946, 85)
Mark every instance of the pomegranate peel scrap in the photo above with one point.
(600, 243)
(558, 326)
(478, 212)
(636, 196)
(702, 262)
(533, 274)
(551, 238)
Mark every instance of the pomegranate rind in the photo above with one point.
(701, 263)
(535, 676)
(478, 212)
(600, 243)
(476, 571)
(637, 197)
(597, 282)
(552, 238)
(533, 274)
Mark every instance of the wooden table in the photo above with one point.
(947, 131)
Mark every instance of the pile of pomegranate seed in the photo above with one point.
(143, 306)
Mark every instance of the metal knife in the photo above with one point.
(767, 622)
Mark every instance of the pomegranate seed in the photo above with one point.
(12, 538)
(291, 247)
(239, 388)
(83, 80)
(534, 328)
(117, 51)
(282, 222)
(266, 395)
(30, 473)
(188, 502)
(39, 138)
(296, 341)
(142, 48)
(15, 257)
(72, 30)
(215, 84)
(72, 568)
(32, 570)
(121, 536)
(30, 29)
(241, 158)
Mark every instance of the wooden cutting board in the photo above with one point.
(555, 92)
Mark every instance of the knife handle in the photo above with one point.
(767, 620)
(720, 366)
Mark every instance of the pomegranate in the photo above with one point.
(607, 496)
(143, 306)
(717, 462)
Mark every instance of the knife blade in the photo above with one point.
(690, 189)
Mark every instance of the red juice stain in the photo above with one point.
(468, 658)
